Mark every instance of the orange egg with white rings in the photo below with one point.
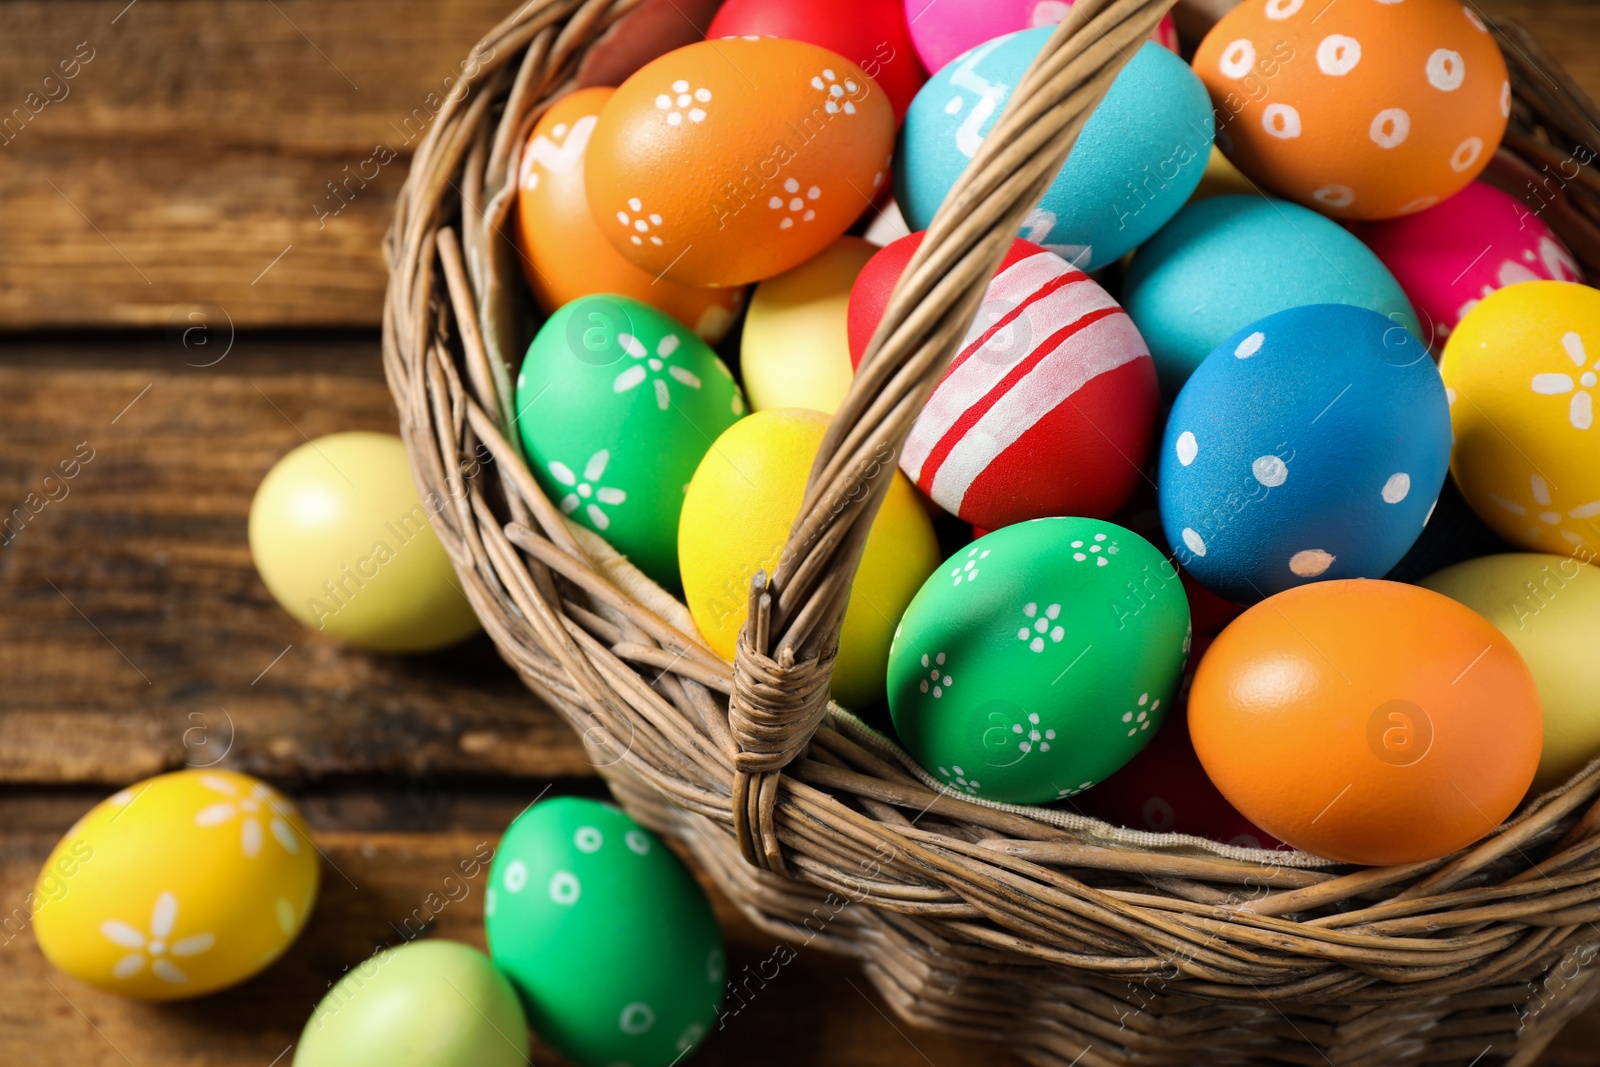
(729, 161)
(1359, 109)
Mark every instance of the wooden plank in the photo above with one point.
(137, 635)
(387, 850)
(192, 158)
(818, 1009)
(197, 142)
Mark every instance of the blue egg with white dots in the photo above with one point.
(1138, 158)
(1310, 445)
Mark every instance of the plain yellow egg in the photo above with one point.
(1222, 178)
(794, 352)
(342, 541)
(178, 886)
(1522, 374)
(736, 517)
(1549, 606)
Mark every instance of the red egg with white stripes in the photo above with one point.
(1048, 407)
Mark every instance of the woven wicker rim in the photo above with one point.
(782, 800)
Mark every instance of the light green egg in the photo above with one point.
(606, 935)
(617, 403)
(1549, 608)
(424, 1004)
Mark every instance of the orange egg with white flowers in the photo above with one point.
(563, 254)
(1361, 109)
(729, 161)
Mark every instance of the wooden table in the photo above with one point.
(177, 198)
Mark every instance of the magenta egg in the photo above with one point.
(1452, 255)
(943, 29)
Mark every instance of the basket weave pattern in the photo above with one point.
(1075, 944)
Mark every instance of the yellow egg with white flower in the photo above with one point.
(178, 886)
(1522, 373)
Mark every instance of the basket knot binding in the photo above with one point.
(777, 703)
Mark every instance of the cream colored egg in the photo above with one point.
(795, 351)
(1549, 606)
(1222, 178)
(342, 541)
(178, 886)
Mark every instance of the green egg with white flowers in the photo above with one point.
(606, 935)
(1039, 659)
(617, 403)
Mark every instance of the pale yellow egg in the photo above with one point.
(794, 352)
(178, 886)
(1222, 178)
(1522, 374)
(1549, 606)
(342, 541)
(736, 517)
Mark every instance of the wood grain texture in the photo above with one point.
(137, 636)
(375, 883)
(204, 141)
(201, 140)
(387, 850)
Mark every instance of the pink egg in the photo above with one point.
(943, 29)
(1452, 255)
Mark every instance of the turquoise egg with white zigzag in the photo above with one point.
(1138, 158)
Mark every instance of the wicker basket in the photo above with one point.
(1071, 941)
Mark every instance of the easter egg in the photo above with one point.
(729, 161)
(342, 541)
(562, 250)
(616, 403)
(1039, 659)
(1548, 607)
(943, 29)
(736, 519)
(1137, 159)
(1450, 256)
(1222, 178)
(605, 934)
(1523, 371)
(870, 32)
(1224, 262)
(1164, 790)
(1367, 721)
(1360, 110)
(1453, 534)
(1311, 445)
(1048, 406)
(178, 886)
(795, 350)
(424, 1004)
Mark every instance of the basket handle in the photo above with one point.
(790, 639)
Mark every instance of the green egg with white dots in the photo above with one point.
(617, 403)
(607, 937)
(1039, 659)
